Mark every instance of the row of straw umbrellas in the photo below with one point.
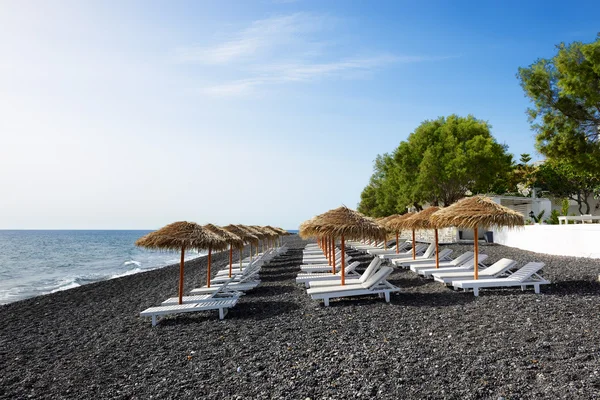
(468, 213)
(184, 235)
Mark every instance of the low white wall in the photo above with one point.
(581, 240)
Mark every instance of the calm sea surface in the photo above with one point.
(39, 262)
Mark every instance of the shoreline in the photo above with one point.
(430, 342)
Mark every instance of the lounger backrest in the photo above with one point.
(375, 263)
(445, 253)
(499, 267)
(526, 271)
(351, 267)
(379, 276)
(468, 255)
(430, 251)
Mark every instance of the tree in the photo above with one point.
(441, 161)
(565, 91)
(561, 179)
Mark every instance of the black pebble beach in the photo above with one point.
(429, 342)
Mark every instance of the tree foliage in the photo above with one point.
(561, 179)
(441, 161)
(565, 92)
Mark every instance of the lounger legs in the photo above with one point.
(223, 312)
(154, 320)
(326, 301)
(536, 288)
(476, 291)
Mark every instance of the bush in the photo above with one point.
(553, 219)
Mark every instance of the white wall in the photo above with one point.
(581, 240)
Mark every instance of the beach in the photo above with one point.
(429, 342)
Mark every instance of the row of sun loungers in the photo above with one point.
(324, 285)
(223, 293)
(458, 272)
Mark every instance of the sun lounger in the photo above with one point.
(525, 276)
(405, 262)
(405, 245)
(496, 270)
(420, 248)
(464, 267)
(223, 305)
(461, 260)
(305, 277)
(376, 284)
(324, 267)
(336, 280)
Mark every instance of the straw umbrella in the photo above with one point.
(420, 220)
(246, 237)
(399, 223)
(181, 235)
(384, 222)
(312, 228)
(252, 232)
(473, 212)
(350, 224)
(262, 235)
(274, 234)
(230, 238)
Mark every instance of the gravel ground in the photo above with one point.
(430, 342)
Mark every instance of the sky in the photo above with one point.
(132, 115)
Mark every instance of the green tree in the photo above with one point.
(561, 179)
(439, 163)
(565, 92)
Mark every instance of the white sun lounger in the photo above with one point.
(325, 267)
(335, 280)
(496, 270)
(405, 262)
(419, 249)
(457, 262)
(391, 250)
(305, 277)
(320, 259)
(523, 277)
(223, 305)
(464, 267)
(376, 284)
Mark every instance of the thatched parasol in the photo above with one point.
(399, 223)
(347, 223)
(473, 212)
(181, 235)
(243, 234)
(253, 232)
(230, 238)
(385, 223)
(421, 220)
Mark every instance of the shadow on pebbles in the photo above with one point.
(429, 342)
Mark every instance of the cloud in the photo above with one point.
(285, 49)
(261, 37)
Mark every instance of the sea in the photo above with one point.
(33, 263)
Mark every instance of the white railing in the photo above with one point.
(564, 220)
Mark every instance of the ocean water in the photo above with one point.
(33, 263)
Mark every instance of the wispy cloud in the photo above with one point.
(284, 49)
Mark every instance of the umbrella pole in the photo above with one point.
(241, 248)
(385, 243)
(208, 269)
(181, 275)
(326, 250)
(250, 256)
(413, 246)
(437, 250)
(331, 250)
(333, 255)
(343, 262)
(230, 259)
(397, 249)
(476, 234)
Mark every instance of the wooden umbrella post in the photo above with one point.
(208, 269)
(437, 250)
(250, 255)
(241, 248)
(181, 275)
(475, 234)
(230, 259)
(397, 248)
(333, 256)
(414, 250)
(385, 244)
(326, 250)
(343, 262)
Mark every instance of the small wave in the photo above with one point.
(65, 285)
(130, 272)
(137, 263)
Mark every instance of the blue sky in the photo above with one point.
(136, 114)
